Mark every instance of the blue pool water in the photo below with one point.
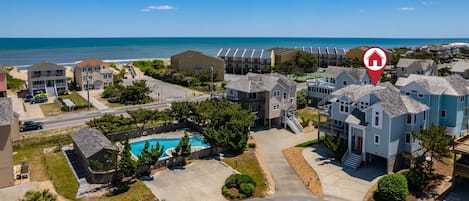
(137, 147)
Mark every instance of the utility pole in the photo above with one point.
(88, 86)
(211, 86)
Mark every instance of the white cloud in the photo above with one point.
(406, 9)
(152, 8)
(427, 3)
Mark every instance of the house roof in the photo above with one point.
(90, 62)
(355, 73)
(460, 66)
(423, 64)
(6, 111)
(282, 51)
(192, 53)
(356, 117)
(3, 80)
(44, 64)
(252, 82)
(90, 141)
(452, 85)
(245, 53)
(389, 98)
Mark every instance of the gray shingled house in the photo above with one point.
(97, 154)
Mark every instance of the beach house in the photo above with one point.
(271, 97)
(460, 68)
(96, 153)
(9, 130)
(93, 74)
(446, 97)
(194, 62)
(324, 56)
(46, 77)
(405, 67)
(243, 61)
(335, 78)
(376, 122)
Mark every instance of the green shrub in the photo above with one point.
(247, 189)
(416, 178)
(393, 187)
(336, 145)
(231, 181)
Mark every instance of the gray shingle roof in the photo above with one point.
(6, 111)
(423, 64)
(389, 97)
(252, 82)
(460, 66)
(355, 73)
(452, 85)
(91, 141)
(45, 64)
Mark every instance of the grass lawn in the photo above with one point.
(310, 114)
(35, 157)
(138, 191)
(61, 175)
(50, 109)
(77, 99)
(246, 163)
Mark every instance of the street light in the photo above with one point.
(88, 86)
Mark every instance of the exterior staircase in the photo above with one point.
(51, 91)
(352, 160)
(294, 125)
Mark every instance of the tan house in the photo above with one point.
(405, 67)
(194, 62)
(94, 72)
(9, 128)
(96, 153)
(46, 77)
(3, 83)
(271, 97)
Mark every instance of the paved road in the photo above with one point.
(64, 121)
(14, 193)
(338, 182)
(201, 180)
(270, 144)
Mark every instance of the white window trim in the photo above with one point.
(446, 113)
(276, 93)
(278, 107)
(374, 139)
(380, 119)
(411, 119)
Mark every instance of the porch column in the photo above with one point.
(350, 137)
(363, 144)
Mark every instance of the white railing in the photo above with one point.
(344, 157)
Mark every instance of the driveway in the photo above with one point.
(201, 180)
(271, 143)
(95, 102)
(459, 192)
(338, 182)
(14, 193)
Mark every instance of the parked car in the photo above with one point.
(28, 98)
(31, 125)
(39, 99)
(146, 178)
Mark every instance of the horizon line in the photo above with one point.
(260, 37)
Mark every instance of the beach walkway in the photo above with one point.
(96, 103)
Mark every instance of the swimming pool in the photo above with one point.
(168, 143)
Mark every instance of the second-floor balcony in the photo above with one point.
(321, 83)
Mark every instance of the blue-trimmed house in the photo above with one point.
(377, 122)
(447, 98)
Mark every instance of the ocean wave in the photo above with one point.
(119, 61)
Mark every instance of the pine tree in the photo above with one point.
(126, 164)
(434, 143)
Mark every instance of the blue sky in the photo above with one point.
(240, 18)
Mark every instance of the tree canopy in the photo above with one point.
(301, 62)
(126, 164)
(434, 143)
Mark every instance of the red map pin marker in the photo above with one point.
(375, 59)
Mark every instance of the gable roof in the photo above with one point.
(45, 64)
(422, 64)
(192, 53)
(389, 97)
(90, 62)
(252, 83)
(90, 141)
(335, 71)
(453, 85)
(460, 66)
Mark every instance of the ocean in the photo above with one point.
(24, 52)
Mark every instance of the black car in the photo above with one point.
(31, 125)
(28, 98)
(39, 99)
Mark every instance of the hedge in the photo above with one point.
(393, 187)
(244, 183)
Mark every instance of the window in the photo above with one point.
(415, 118)
(285, 95)
(409, 119)
(276, 107)
(443, 113)
(344, 106)
(97, 68)
(408, 138)
(377, 119)
(420, 95)
(291, 100)
(277, 93)
(252, 95)
(461, 98)
(424, 115)
(407, 93)
(345, 83)
(376, 139)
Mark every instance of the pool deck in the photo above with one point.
(173, 134)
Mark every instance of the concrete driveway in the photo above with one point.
(338, 182)
(14, 193)
(271, 143)
(201, 180)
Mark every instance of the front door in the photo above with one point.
(359, 144)
(50, 83)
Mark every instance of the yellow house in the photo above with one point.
(9, 128)
(192, 61)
